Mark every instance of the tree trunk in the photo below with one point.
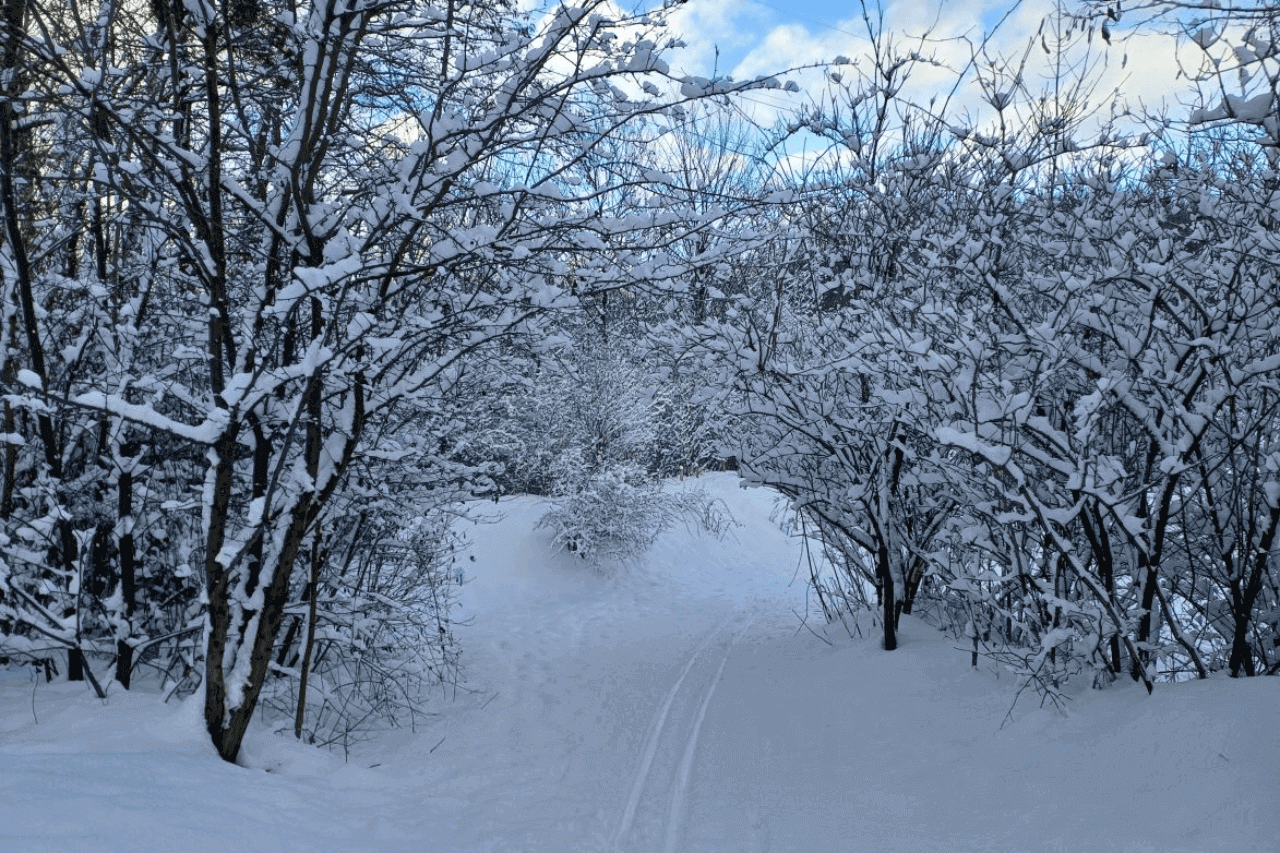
(888, 601)
(233, 722)
(128, 567)
(317, 562)
(217, 583)
(1242, 602)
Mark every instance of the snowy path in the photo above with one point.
(597, 689)
(671, 737)
(678, 708)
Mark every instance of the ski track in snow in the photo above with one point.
(656, 731)
(686, 763)
(651, 744)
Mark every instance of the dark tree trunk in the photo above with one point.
(227, 726)
(914, 579)
(128, 566)
(313, 594)
(1149, 568)
(888, 601)
(1242, 600)
(217, 589)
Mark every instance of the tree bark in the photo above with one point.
(317, 562)
(128, 566)
(1242, 604)
(888, 603)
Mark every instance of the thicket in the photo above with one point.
(1022, 377)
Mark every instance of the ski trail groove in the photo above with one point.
(686, 763)
(651, 745)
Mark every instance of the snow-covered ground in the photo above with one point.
(679, 706)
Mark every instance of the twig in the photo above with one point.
(437, 746)
(97, 688)
(804, 623)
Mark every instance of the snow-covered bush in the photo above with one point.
(586, 406)
(607, 515)
(696, 507)
(614, 514)
(691, 422)
(379, 637)
(592, 404)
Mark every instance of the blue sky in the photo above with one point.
(740, 27)
(751, 38)
(765, 37)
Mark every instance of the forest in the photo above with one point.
(288, 286)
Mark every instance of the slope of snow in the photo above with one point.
(677, 705)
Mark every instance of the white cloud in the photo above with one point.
(730, 26)
(1141, 68)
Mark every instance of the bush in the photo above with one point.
(615, 513)
(383, 630)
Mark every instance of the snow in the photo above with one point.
(675, 705)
